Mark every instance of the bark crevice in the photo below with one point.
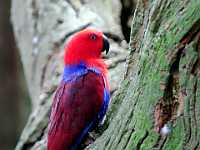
(170, 106)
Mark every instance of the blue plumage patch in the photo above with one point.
(72, 72)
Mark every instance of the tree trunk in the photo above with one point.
(157, 104)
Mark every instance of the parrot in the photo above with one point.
(82, 98)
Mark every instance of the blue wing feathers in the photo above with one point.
(71, 101)
(96, 120)
(79, 71)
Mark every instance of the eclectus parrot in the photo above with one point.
(82, 98)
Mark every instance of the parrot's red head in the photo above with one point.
(84, 46)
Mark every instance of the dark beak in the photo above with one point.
(106, 44)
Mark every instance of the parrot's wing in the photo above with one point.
(76, 105)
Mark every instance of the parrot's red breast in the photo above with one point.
(81, 100)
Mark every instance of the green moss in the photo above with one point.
(175, 139)
(140, 94)
(153, 64)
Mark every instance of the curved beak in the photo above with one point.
(106, 44)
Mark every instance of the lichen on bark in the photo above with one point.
(164, 52)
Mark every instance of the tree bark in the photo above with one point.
(157, 104)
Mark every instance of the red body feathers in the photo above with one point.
(82, 97)
(79, 102)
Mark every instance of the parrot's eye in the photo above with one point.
(93, 37)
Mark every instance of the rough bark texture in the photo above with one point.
(161, 86)
(160, 89)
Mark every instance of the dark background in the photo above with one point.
(14, 100)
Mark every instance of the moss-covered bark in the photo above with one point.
(161, 88)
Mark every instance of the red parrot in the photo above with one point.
(82, 98)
